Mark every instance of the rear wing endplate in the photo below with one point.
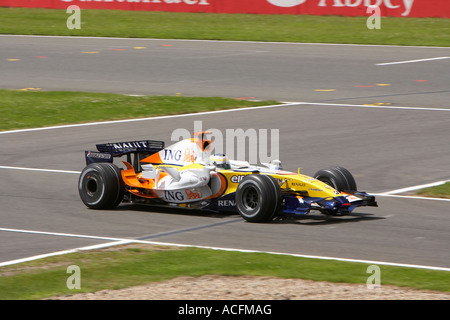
(107, 151)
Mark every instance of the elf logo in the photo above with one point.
(236, 179)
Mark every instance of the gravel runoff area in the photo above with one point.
(214, 287)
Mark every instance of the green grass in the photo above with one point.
(442, 191)
(293, 28)
(134, 266)
(32, 109)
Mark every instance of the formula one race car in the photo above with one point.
(186, 175)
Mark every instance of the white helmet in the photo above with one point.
(220, 161)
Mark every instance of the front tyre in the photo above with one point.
(101, 186)
(337, 177)
(258, 198)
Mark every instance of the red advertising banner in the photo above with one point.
(394, 8)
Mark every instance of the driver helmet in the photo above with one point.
(220, 161)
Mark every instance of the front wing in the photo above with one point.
(338, 206)
(296, 205)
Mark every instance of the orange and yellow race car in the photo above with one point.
(186, 175)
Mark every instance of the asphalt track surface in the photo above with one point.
(349, 118)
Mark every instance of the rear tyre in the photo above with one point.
(337, 177)
(101, 186)
(258, 198)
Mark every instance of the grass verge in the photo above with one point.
(166, 25)
(33, 109)
(442, 191)
(115, 269)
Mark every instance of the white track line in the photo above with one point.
(226, 41)
(379, 107)
(58, 253)
(411, 61)
(40, 170)
(117, 241)
(397, 193)
(414, 188)
(283, 104)
(409, 197)
(363, 106)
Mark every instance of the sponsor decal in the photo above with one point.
(173, 195)
(172, 155)
(134, 145)
(352, 198)
(98, 155)
(390, 4)
(193, 194)
(395, 8)
(189, 155)
(297, 184)
(179, 156)
(226, 203)
(236, 179)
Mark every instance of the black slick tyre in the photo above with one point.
(101, 186)
(337, 177)
(258, 198)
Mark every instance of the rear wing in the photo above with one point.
(106, 152)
